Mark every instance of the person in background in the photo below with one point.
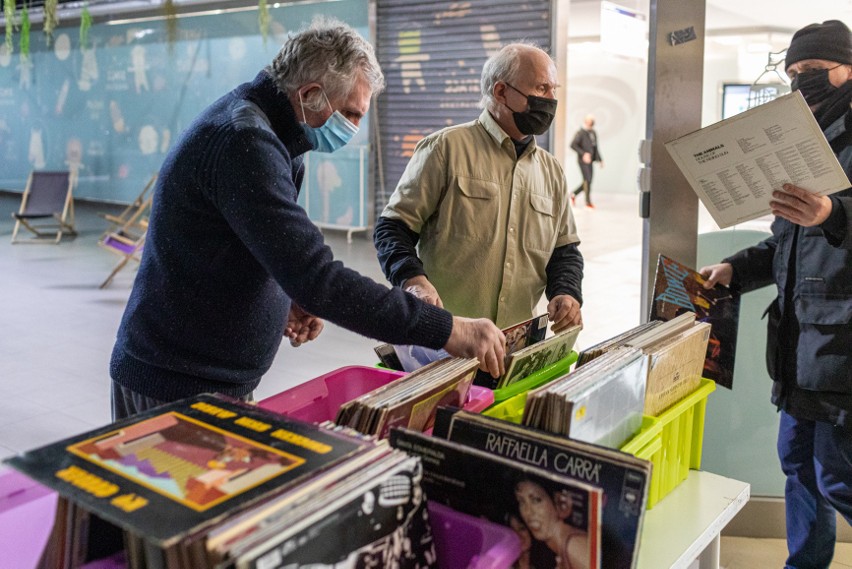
(809, 346)
(232, 263)
(585, 144)
(480, 221)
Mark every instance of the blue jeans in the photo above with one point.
(816, 457)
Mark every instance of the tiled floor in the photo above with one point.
(745, 553)
(58, 329)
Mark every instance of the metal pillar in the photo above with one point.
(559, 52)
(675, 76)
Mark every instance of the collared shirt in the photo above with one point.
(488, 221)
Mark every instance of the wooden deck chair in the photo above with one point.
(128, 239)
(117, 220)
(47, 208)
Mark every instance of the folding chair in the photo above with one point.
(128, 239)
(120, 219)
(47, 196)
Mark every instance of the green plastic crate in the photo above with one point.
(672, 441)
(542, 376)
(509, 401)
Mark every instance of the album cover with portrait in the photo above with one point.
(558, 517)
(623, 478)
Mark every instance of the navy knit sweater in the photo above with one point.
(228, 248)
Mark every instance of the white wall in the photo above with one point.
(613, 89)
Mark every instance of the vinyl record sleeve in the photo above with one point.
(178, 468)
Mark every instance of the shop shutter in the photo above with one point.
(432, 54)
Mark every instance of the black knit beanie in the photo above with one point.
(830, 40)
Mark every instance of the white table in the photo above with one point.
(685, 525)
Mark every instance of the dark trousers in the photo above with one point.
(816, 457)
(126, 402)
(586, 186)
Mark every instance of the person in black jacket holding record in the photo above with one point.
(809, 347)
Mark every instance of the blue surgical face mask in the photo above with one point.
(333, 135)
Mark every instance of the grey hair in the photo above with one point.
(502, 66)
(330, 53)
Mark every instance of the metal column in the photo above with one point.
(675, 76)
(559, 52)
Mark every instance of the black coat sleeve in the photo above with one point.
(835, 227)
(565, 272)
(396, 248)
(577, 143)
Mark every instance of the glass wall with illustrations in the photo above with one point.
(111, 109)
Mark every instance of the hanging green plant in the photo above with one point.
(263, 19)
(9, 15)
(51, 18)
(24, 42)
(85, 24)
(170, 11)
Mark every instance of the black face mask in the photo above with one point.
(814, 85)
(538, 116)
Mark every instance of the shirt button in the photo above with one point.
(502, 299)
(511, 230)
(508, 265)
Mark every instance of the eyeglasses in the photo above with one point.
(793, 74)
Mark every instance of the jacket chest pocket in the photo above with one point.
(825, 343)
(539, 227)
(473, 209)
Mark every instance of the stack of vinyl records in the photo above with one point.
(676, 352)
(528, 360)
(349, 517)
(411, 401)
(527, 351)
(557, 515)
(623, 479)
(210, 481)
(601, 402)
(623, 339)
(409, 357)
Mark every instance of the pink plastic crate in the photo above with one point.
(466, 542)
(27, 510)
(318, 399)
(478, 399)
(115, 561)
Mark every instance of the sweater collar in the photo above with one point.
(282, 117)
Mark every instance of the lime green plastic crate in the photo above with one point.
(672, 441)
(509, 401)
(542, 376)
(511, 410)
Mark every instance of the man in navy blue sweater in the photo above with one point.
(232, 263)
